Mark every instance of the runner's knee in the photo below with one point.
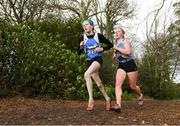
(133, 87)
(87, 75)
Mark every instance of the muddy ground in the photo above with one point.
(21, 111)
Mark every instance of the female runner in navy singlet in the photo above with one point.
(123, 53)
(90, 44)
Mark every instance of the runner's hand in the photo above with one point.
(81, 44)
(113, 58)
(115, 47)
(98, 49)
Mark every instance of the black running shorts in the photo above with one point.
(99, 60)
(128, 66)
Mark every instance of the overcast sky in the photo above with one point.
(137, 26)
(145, 7)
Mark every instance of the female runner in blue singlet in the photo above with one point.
(90, 43)
(123, 53)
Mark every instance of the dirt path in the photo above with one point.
(58, 112)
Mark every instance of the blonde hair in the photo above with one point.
(119, 27)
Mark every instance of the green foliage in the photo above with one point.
(155, 77)
(110, 89)
(39, 59)
(41, 65)
(176, 89)
(67, 32)
(127, 96)
(108, 69)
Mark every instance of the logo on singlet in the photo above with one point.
(90, 45)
